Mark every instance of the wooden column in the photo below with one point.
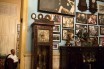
(24, 22)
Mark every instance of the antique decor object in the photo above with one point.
(92, 6)
(33, 16)
(82, 5)
(42, 40)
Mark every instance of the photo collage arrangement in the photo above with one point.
(88, 22)
(92, 23)
(62, 25)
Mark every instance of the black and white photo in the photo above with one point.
(65, 7)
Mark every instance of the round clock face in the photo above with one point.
(33, 15)
(43, 35)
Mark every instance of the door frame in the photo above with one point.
(23, 31)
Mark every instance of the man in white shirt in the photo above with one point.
(11, 60)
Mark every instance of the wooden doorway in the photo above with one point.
(9, 21)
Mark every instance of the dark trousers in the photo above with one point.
(15, 65)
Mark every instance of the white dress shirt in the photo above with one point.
(14, 57)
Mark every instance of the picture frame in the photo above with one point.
(79, 27)
(81, 18)
(101, 39)
(56, 18)
(57, 7)
(77, 41)
(101, 8)
(65, 32)
(93, 39)
(56, 28)
(43, 36)
(55, 46)
(101, 30)
(91, 19)
(71, 32)
(18, 27)
(101, 0)
(18, 36)
(67, 22)
(56, 38)
(101, 19)
(93, 30)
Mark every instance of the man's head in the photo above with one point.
(13, 51)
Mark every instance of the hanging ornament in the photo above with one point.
(82, 5)
(92, 6)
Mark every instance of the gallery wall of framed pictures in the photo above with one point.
(92, 23)
(62, 25)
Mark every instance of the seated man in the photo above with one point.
(11, 60)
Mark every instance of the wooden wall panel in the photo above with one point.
(9, 18)
(56, 58)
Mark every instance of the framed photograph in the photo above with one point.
(56, 37)
(91, 19)
(77, 41)
(79, 27)
(18, 36)
(56, 28)
(57, 7)
(94, 40)
(56, 18)
(18, 27)
(71, 32)
(101, 0)
(43, 35)
(65, 33)
(101, 19)
(101, 40)
(100, 8)
(101, 30)
(81, 18)
(55, 45)
(93, 30)
(67, 22)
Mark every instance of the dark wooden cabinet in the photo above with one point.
(42, 40)
(81, 57)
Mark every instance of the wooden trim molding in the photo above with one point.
(24, 17)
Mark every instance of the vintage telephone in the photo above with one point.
(82, 5)
(92, 6)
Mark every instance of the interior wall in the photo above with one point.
(9, 18)
(32, 8)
